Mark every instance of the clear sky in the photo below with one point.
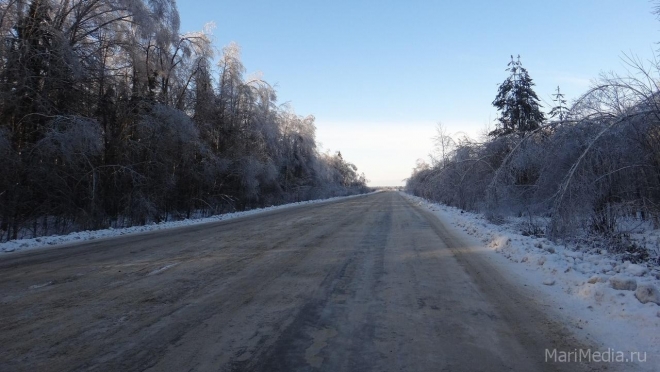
(378, 75)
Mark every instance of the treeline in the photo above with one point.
(110, 117)
(591, 168)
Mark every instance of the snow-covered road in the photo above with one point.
(374, 282)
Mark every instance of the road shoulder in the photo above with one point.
(14, 247)
(527, 302)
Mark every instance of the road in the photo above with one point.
(371, 283)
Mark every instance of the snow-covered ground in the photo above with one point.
(20, 245)
(577, 286)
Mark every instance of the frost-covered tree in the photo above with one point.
(559, 110)
(110, 116)
(591, 173)
(517, 102)
(442, 145)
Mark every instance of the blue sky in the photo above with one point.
(378, 75)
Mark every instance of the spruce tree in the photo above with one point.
(560, 110)
(517, 102)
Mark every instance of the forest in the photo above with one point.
(110, 117)
(589, 169)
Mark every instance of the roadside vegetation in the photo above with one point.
(110, 117)
(589, 170)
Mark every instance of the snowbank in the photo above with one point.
(594, 294)
(20, 245)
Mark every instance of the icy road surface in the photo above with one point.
(372, 283)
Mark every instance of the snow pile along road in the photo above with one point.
(27, 244)
(612, 303)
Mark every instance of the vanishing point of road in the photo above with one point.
(371, 283)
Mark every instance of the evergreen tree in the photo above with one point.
(560, 109)
(517, 102)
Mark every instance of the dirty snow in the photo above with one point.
(21, 245)
(576, 286)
